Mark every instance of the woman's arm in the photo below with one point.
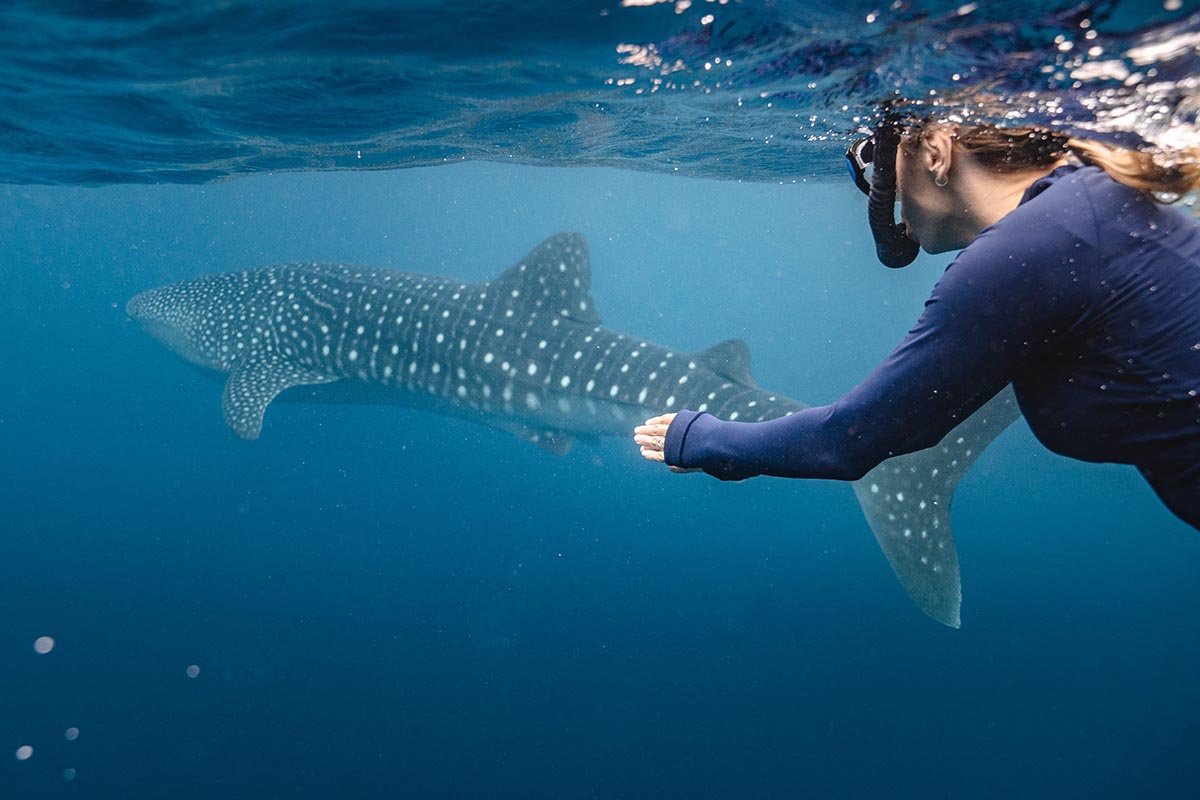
(995, 307)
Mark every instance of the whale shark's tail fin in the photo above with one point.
(907, 503)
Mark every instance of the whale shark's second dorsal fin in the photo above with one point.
(906, 501)
(729, 359)
(554, 278)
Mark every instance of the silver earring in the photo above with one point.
(940, 181)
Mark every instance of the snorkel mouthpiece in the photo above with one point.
(892, 245)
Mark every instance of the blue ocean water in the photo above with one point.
(380, 602)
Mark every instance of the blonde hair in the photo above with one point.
(1165, 175)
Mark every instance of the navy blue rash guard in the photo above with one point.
(1086, 298)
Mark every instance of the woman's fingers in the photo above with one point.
(655, 426)
(651, 436)
(650, 440)
(652, 455)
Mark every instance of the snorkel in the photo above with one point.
(892, 245)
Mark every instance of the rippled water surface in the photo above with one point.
(164, 91)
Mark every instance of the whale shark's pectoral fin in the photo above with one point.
(907, 503)
(254, 382)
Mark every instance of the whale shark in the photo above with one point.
(525, 353)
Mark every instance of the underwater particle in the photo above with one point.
(69, 774)
(24, 752)
(193, 671)
(71, 734)
(43, 644)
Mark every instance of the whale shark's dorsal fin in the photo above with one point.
(906, 501)
(254, 381)
(729, 359)
(554, 278)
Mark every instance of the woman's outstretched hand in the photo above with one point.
(651, 435)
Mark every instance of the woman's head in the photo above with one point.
(955, 180)
(1166, 174)
(1002, 150)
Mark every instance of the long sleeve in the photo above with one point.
(999, 305)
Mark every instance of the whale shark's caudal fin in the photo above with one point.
(907, 503)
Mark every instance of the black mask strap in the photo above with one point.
(892, 244)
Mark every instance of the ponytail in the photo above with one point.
(1167, 175)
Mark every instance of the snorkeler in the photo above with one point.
(1075, 284)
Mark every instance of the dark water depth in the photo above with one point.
(384, 603)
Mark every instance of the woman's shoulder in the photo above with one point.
(1097, 210)
(1067, 208)
(1055, 226)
